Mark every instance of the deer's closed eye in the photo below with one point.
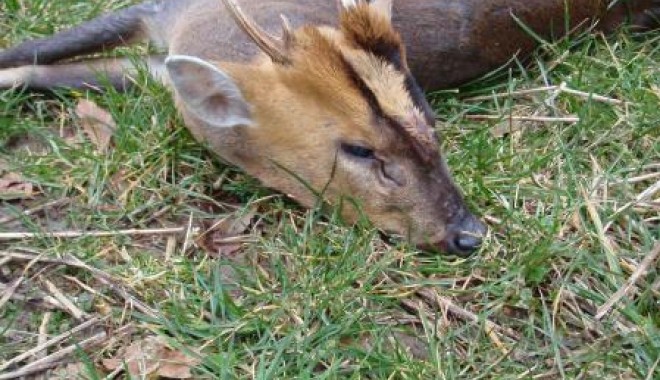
(358, 151)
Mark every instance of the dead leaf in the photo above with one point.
(69, 371)
(151, 358)
(13, 186)
(220, 239)
(176, 365)
(97, 123)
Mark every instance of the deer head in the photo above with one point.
(332, 111)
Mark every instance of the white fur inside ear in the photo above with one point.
(208, 92)
(384, 7)
(348, 3)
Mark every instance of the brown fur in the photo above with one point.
(330, 92)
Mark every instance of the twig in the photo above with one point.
(170, 247)
(31, 371)
(637, 179)
(105, 278)
(51, 342)
(646, 195)
(43, 338)
(66, 302)
(637, 274)
(592, 96)
(88, 288)
(54, 359)
(10, 290)
(34, 210)
(76, 234)
(58, 357)
(642, 198)
(187, 241)
(37, 258)
(540, 119)
(558, 89)
(43, 334)
(530, 91)
(445, 302)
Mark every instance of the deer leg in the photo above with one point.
(93, 74)
(639, 14)
(123, 27)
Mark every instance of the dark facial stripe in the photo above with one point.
(422, 152)
(393, 55)
(385, 50)
(419, 98)
(377, 37)
(364, 89)
(369, 32)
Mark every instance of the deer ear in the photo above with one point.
(346, 4)
(208, 92)
(384, 7)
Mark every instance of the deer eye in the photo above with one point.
(358, 151)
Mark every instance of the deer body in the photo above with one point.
(333, 108)
(449, 41)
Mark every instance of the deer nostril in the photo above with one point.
(467, 242)
(467, 236)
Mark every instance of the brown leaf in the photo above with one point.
(176, 365)
(13, 186)
(69, 371)
(151, 358)
(219, 240)
(97, 123)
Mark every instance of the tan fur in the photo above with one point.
(307, 105)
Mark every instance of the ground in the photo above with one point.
(174, 264)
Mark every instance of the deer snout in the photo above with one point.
(464, 237)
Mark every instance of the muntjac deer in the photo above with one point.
(332, 106)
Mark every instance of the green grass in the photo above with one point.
(312, 298)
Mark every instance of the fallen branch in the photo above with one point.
(65, 301)
(31, 371)
(557, 89)
(54, 359)
(632, 280)
(107, 280)
(36, 258)
(4, 236)
(530, 91)
(9, 291)
(34, 210)
(540, 119)
(43, 334)
(101, 276)
(51, 342)
(463, 313)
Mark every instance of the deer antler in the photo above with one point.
(274, 47)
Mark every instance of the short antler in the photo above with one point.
(274, 47)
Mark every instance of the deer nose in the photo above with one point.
(465, 237)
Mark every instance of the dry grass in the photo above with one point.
(562, 160)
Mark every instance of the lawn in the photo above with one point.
(170, 263)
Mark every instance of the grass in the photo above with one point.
(309, 297)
